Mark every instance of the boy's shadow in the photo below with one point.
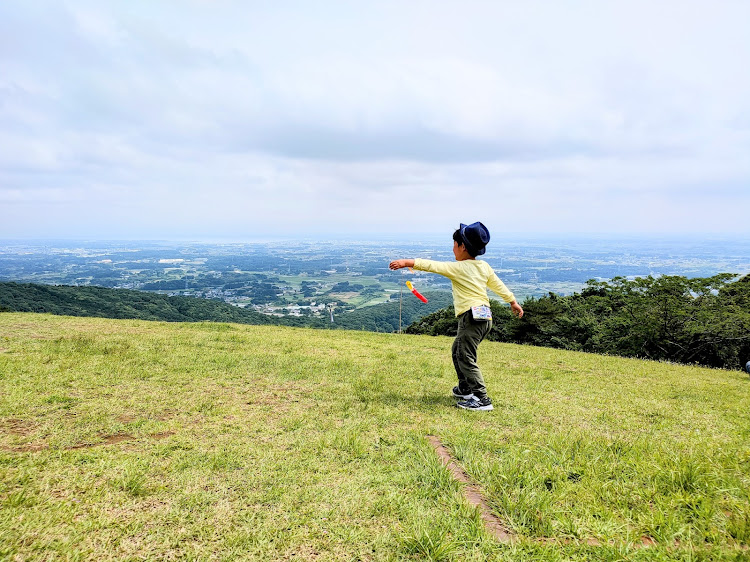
(425, 401)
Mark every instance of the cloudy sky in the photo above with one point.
(238, 119)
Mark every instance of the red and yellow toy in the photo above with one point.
(416, 293)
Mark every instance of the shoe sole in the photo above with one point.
(481, 408)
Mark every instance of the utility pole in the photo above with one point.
(400, 297)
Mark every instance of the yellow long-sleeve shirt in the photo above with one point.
(469, 279)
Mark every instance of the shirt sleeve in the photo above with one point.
(447, 269)
(499, 288)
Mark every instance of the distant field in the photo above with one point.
(128, 439)
(271, 273)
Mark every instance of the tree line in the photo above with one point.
(103, 302)
(127, 303)
(702, 321)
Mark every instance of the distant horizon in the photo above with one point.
(411, 237)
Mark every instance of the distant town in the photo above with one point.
(326, 277)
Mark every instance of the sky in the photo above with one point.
(208, 120)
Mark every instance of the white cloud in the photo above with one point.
(228, 117)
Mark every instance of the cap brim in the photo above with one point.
(461, 228)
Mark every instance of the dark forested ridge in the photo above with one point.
(124, 303)
(701, 320)
(119, 303)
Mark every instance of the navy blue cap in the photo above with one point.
(475, 237)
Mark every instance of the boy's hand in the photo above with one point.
(398, 264)
(516, 309)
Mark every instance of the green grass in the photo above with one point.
(146, 440)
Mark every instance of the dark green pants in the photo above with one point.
(470, 334)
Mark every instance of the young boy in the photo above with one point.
(470, 279)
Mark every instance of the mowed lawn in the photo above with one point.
(142, 440)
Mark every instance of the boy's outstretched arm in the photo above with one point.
(398, 264)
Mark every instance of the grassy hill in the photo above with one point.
(126, 439)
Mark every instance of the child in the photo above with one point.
(469, 279)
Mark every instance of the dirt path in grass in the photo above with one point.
(473, 495)
(494, 525)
